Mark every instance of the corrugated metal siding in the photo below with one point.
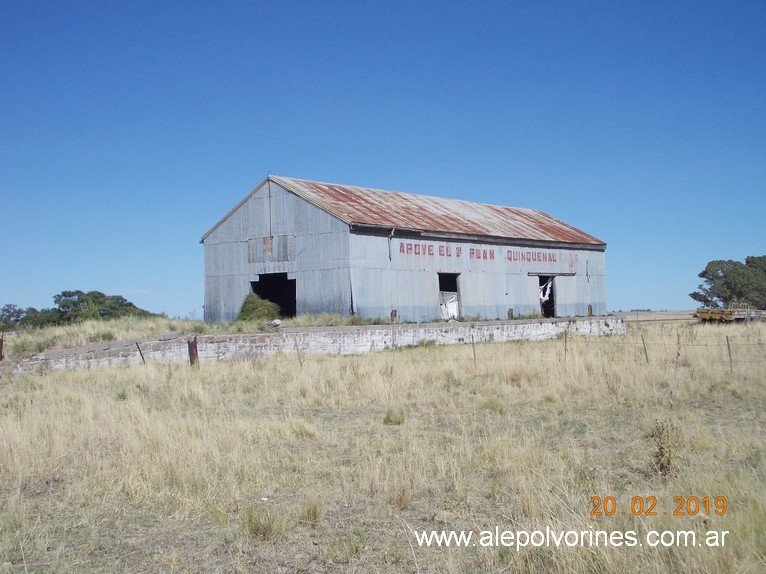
(493, 278)
(366, 206)
(309, 244)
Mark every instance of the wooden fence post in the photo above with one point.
(728, 346)
(646, 354)
(298, 350)
(193, 353)
(140, 352)
(2, 338)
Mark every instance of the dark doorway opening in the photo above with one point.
(449, 300)
(448, 282)
(547, 301)
(277, 288)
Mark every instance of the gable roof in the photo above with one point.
(364, 207)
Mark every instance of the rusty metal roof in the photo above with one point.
(405, 211)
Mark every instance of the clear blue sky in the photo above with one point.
(127, 129)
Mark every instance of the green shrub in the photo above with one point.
(666, 441)
(313, 511)
(256, 309)
(402, 497)
(394, 416)
(102, 336)
(262, 523)
(493, 404)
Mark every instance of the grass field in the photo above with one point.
(330, 466)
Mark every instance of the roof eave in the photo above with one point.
(368, 228)
(233, 209)
(312, 200)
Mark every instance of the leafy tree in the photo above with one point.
(758, 263)
(728, 281)
(11, 316)
(114, 306)
(79, 306)
(40, 318)
(71, 307)
(89, 311)
(68, 305)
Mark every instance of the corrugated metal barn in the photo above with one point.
(316, 247)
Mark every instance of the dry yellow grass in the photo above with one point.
(26, 342)
(273, 466)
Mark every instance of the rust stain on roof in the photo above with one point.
(392, 209)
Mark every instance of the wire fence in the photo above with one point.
(712, 348)
(651, 343)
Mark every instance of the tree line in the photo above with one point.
(70, 307)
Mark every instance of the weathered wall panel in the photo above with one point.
(402, 274)
(274, 231)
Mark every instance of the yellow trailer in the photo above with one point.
(729, 314)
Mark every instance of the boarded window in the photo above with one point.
(252, 250)
(286, 249)
(270, 249)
